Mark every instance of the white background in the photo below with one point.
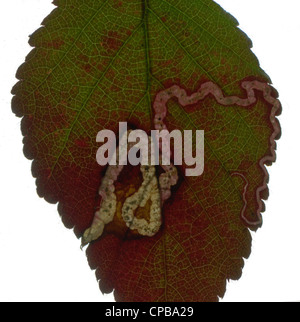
(40, 260)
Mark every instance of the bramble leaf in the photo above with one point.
(98, 63)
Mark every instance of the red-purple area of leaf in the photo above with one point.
(151, 63)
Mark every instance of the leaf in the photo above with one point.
(98, 63)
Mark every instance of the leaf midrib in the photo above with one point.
(145, 15)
